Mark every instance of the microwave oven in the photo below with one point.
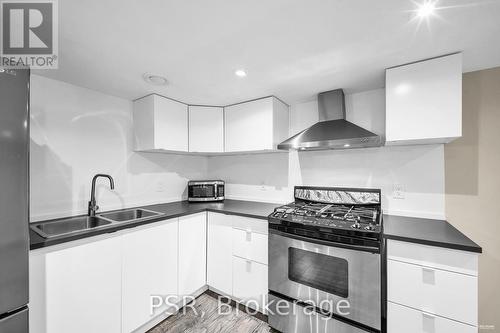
(205, 190)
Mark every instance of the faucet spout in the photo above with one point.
(92, 203)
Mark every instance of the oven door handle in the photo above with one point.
(370, 249)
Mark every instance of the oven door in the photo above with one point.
(327, 277)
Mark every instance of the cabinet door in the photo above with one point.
(424, 101)
(170, 124)
(206, 129)
(192, 253)
(249, 125)
(83, 289)
(160, 123)
(149, 269)
(250, 282)
(220, 258)
(404, 319)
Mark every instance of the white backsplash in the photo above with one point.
(77, 132)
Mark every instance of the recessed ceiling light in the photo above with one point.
(240, 73)
(347, 145)
(426, 9)
(155, 80)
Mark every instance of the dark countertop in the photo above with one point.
(252, 209)
(427, 232)
(409, 229)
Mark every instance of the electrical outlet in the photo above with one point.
(398, 191)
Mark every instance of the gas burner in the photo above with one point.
(335, 217)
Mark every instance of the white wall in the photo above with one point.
(271, 177)
(76, 133)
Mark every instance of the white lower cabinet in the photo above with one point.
(431, 289)
(404, 319)
(220, 253)
(237, 258)
(250, 282)
(77, 289)
(108, 283)
(250, 245)
(149, 271)
(192, 253)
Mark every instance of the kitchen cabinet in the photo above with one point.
(192, 253)
(250, 259)
(149, 268)
(206, 129)
(444, 288)
(160, 124)
(424, 101)
(220, 253)
(250, 282)
(77, 289)
(257, 125)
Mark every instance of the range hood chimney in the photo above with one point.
(332, 131)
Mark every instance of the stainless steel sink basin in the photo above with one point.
(129, 215)
(68, 226)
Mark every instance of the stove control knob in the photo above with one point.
(370, 227)
(356, 225)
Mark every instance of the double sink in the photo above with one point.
(86, 223)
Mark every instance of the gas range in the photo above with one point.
(352, 216)
(326, 247)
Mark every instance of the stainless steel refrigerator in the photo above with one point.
(14, 239)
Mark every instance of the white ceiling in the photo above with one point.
(290, 48)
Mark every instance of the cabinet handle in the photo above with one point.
(428, 276)
(249, 265)
(248, 235)
(428, 315)
(428, 323)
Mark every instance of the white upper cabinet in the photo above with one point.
(206, 129)
(160, 124)
(424, 101)
(256, 125)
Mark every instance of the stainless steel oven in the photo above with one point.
(328, 276)
(206, 190)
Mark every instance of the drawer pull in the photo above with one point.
(248, 235)
(428, 323)
(428, 276)
(248, 265)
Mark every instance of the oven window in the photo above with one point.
(201, 191)
(319, 271)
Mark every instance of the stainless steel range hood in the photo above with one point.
(332, 131)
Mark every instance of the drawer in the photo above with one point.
(250, 282)
(285, 316)
(249, 224)
(432, 256)
(403, 319)
(435, 291)
(250, 245)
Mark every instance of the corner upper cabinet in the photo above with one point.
(257, 125)
(424, 101)
(160, 123)
(206, 129)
